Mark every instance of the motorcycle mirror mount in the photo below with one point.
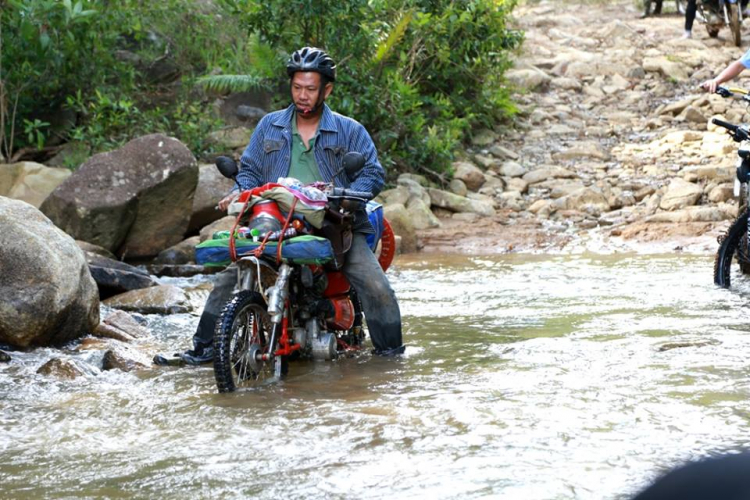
(227, 166)
(353, 163)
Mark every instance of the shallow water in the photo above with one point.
(526, 377)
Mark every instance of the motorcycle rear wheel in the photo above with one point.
(734, 23)
(243, 329)
(733, 246)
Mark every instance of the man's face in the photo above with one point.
(307, 93)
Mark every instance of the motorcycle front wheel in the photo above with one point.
(733, 247)
(242, 334)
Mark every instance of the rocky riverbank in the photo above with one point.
(613, 148)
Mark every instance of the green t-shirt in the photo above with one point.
(303, 166)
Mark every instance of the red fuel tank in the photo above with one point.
(337, 284)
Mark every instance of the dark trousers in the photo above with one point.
(690, 14)
(363, 272)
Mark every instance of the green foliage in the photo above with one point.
(419, 74)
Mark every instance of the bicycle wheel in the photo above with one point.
(732, 246)
(243, 332)
(734, 23)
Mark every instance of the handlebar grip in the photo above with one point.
(726, 125)
(348, 193)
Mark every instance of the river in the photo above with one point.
(526, 377)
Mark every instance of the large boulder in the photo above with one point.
(212, 187)
(401, 223)
(455, 203)
(134, 201)
(30, 182)
(162, 299)
(48, 294)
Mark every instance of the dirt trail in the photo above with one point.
(613, 143)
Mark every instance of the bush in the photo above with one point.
(419, 74)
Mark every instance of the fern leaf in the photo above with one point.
(232, 83)
(395, 36)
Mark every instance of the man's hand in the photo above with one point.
(228, 200)
(711, 85)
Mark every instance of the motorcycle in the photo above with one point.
(719, 13)
(733, 245)
(291, 300)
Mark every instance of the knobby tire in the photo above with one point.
(235, 324)
(731, 244)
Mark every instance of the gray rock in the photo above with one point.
(230, 138)
(212, 187)
(30, 182)
(501, 152)
(419, 179)
(181, 253)
(113, 277)
(456, 203)
(721, 193)
(512, 169)
(458, 187)
(421, 216)
(60, 368)
(161, 299)
(402, 226)
(49, 295)
(680, 194)
(133, 201)
(223, 224)
(469, 173)
(249, 114)
(589, 200)
(545, 173)
(4, 357)
(125, 359)
(529, 79)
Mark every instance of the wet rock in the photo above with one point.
(124, 359)
(402, 225)
(60, 368)
(50, 297)
(182, 270)
(4, 357)
(470, 174)
(681, 345)
(181, 253)
(223, 224)
(161, 299)
(134, 201)
(680, 194)
(121, 326)
(113, 277)
(30, 182)
(212, 187)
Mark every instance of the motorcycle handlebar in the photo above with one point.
(348, 193)
(721, 123)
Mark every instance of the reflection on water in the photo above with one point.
(525, 378)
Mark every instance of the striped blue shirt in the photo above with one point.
(268, 156)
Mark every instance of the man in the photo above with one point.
(308, 141)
